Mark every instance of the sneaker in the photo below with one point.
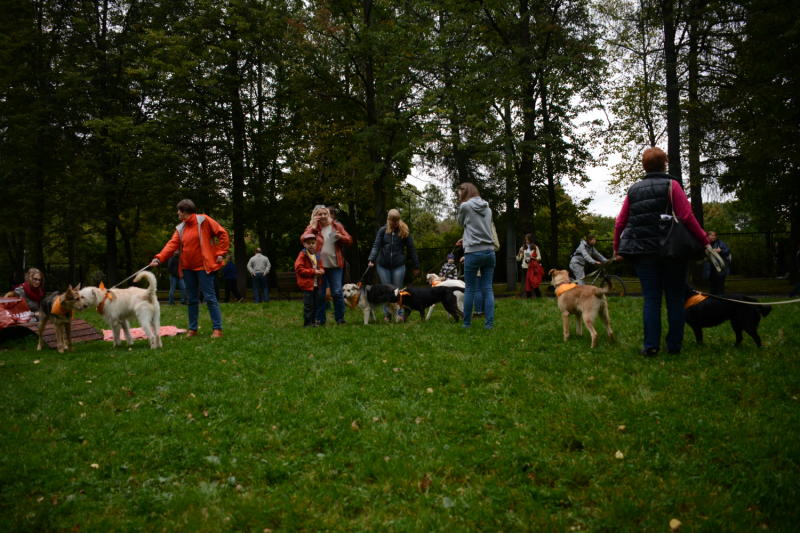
(191, 333)
(649, 352)
(340, 322)
(217, 333)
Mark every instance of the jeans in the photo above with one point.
(309, 307)
(668, 277)
(333, 279)
(176, 282)
(197, 281)
(391, 276)
(483, 261)
(260, 288)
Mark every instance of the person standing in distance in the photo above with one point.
(259, 267)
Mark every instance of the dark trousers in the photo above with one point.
(658, 277)
(230, 287)
(309, 307)
(716, 282)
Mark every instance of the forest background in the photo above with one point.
(111, 111)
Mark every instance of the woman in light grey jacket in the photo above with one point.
(475, 215)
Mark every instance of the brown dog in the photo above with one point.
(59, 309)
(584, 301)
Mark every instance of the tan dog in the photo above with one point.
(58, 309)
(584, 301)
(118, 306)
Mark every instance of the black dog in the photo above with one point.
(421, 298)
(714, 311)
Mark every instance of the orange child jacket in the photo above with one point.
(200, 239)
(304, 271)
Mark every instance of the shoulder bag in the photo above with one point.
(677, 242)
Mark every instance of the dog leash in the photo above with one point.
(796, 300)
(132, 275)
(364, 275)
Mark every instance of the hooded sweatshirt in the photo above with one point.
(475, 216)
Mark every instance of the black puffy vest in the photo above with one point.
(648, 199)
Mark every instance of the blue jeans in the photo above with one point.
(668, 277)
(260, 288)
(176, 282)
(483, 261)
(197, 281)
(391, 276)
(332, 279)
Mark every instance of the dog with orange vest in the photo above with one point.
(586, 302)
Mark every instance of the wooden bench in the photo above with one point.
(287, 284)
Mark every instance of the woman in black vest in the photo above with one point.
(637, 235)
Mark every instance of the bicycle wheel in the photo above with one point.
(615, 283)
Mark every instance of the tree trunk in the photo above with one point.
(528, 105)
(511, 232)
(549, 170)
(237, 157)
(673, 89)
(693, 115)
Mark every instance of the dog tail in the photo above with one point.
(151, 283)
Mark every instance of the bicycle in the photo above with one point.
(601, 278)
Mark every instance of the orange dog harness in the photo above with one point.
(564, 287)
(56, 308)
(694, 300)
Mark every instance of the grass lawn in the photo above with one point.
(408, 427)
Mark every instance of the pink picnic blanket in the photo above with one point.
(138, 333)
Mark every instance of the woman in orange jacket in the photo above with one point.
(331, 237)
(203, 244)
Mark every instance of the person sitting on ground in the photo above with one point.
(31, 290)
(449, 269)
(585, 254)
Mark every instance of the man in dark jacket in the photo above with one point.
(716, 280)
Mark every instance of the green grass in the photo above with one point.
(409, 427)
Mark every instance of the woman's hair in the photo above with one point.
(317, 208)
(393, 218)
(187, 206)
(32, 272)
(654, 159)
(466, 191)
(529, 238)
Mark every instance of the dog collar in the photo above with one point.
(108, 296)
(694, 300)
(400, 297)
(56, 308)
(564, 287)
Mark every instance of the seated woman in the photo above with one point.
(32, 290)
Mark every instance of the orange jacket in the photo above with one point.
(200, 240)
(304, 271)
(344, 240)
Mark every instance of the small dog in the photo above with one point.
(59, 308)
(437, 281)
(584, 301)
(421, 298)
(371, 298)
(710, 311)
(118, 306)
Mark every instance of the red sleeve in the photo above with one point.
(621, 222)
(683, 210)
(344, 238)
(169, 248)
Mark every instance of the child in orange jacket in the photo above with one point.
(308, 269)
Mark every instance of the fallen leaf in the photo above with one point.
(95, 466)
(36, 362)
(396, 369)
(354, 425)
(429, 390)
(418, 420)
(424, 483)
(619, 455)
(675, 524)
(621, 428)
(205, 413)
(376, 419)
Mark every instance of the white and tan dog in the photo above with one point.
(436, 281)
(370, 298)
(118, 306)
(584, 301)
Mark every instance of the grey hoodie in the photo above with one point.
(475, 216)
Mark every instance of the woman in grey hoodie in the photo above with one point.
(475, 215)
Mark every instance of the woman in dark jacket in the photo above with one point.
(637, 235)
(388, 253)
